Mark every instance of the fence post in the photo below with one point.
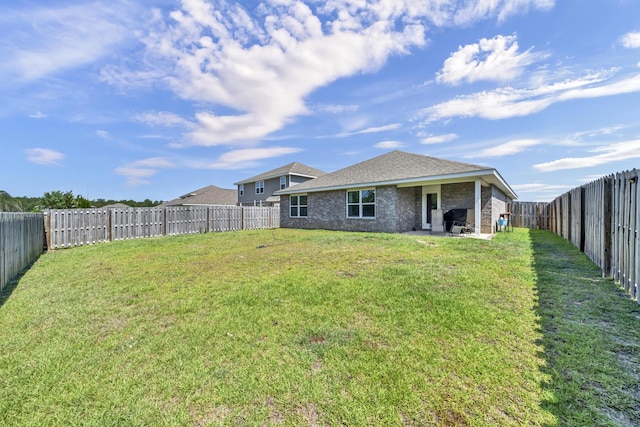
(164, 221)
(608, 221)
(582, 218)
(47, 230)
(109, 225)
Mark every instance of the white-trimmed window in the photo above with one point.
(361, 203)
(241, 190)
(283, 182)
(259, 187)
(298, 205)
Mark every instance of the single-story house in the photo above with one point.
(207, 196)
(259, 190)
(397, 192)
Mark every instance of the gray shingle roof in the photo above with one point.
(295, 168)
(210, 195)
(390, 168)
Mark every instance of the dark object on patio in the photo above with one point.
(454, 216)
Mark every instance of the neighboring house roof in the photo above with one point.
(294, 168)
(210, 195)
(117, 205)
(397, 168)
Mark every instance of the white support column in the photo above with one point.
(478, 208)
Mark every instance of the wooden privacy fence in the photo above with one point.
(76, 227)
(601, 219)
(530, 215)
(21, 242)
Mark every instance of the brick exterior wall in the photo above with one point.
(485, 214)
(499, 202)
(417, 206)
(458, 196)
(397, 209)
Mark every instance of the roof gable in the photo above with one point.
(295, 168)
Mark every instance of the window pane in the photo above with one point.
(353, 197)
(294, 200)
(303, 200)
(303, 211)
(368, 210)
(368, 196)
(294, 211)
(353, 210)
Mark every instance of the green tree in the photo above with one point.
(8, 203)
(81, 202)
(58, 200)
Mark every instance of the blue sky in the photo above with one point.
(133, 100)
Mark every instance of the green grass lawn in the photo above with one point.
(291, 327)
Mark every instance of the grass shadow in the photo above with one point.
(11, 286)
(591, 338)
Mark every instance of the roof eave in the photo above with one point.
(407, 182)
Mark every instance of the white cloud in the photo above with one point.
(243, 158)
(631, 40)
(261, 64)
(495, 59)
(439, 139)
(37, 115)
(509, 102)
(265, 73)
(508, 148)
(374, 129)
(60, 37)
(103, 134)
(163, 118)
(335, 109)
(138, 171)
(602, 155)
(446, 13)
(390, 144)
(591, 178)
(44, 156)
(541, 188)
(474, 10)
(605, 131)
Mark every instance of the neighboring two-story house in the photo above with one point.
(258, 190)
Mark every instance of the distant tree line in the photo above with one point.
(62, 200)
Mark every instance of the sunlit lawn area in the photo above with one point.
(291, 327)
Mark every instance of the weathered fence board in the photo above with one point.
(259, 217)
(223, 218)
(186, 220)
(21, 242)
(575, 220)
(136, 223)
(597, 227)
